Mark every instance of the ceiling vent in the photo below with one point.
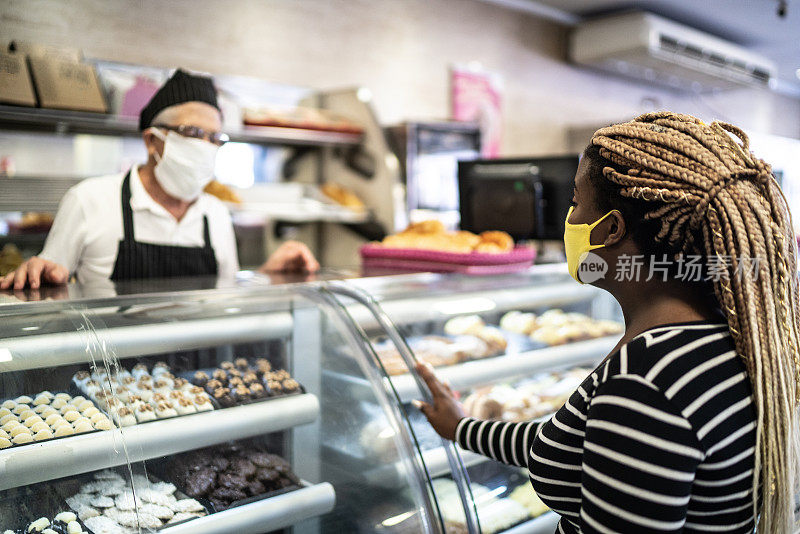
(651, 48)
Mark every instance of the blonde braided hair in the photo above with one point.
(706, 194)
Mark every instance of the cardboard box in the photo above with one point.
(44, 51)
(66, 85)
(15, 81)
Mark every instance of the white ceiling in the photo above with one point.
(754, 24)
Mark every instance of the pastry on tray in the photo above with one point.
(473, 325)
(137, 396)
(342, 196)
(35, 418)
(241, 382)
(222, 192)
(524, 401)
(229, 473)
(111, 503)
(62, 523)
(432, 235)
(555, 327)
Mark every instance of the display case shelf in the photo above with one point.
(394, 475)
(431, 308)
(481, 372)
(266, 515)
(80, 122)
(52, 350)
(544, 524)
(57, 458)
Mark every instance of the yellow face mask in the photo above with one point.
(577, 242)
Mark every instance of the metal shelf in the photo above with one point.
(273, 135)
(63, 348)
(80, 122)
(437, 307)
(480, 372)
(57, 458)
(544, 524)
(34, 193)
(295, 213)
(395, 476)
(267, 515)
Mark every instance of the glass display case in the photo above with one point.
(257, 408)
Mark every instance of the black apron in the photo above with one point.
(137, 261)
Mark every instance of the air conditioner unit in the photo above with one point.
(651, 48)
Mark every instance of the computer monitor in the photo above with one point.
(526, 197)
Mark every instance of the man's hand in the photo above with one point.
(293, 257)
(33, 272)
(446, 412)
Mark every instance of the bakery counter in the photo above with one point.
(274, 513)
(305, 373)
(57, 458)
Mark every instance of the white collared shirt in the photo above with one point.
(88, 227)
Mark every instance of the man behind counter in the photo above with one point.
(154, 221)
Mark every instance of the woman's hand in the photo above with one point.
(446, 412)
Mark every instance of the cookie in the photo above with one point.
(163, 513)
(183, 516)
(125, 501)
(187, 505)
(101, 501)
(103, 525)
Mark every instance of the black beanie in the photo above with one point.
(181, 88)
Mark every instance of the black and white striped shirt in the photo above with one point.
(660, 437)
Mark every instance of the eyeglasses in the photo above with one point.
(216, 138)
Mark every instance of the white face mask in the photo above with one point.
(186, 166)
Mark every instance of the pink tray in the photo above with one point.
(519, 259)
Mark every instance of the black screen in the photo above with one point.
(526, 197)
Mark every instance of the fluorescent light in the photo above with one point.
(5, 355)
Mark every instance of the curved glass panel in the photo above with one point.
(513, 346)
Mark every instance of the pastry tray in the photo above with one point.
(158, 467)
(72, 393)
(188, 375)
(80, 391)
(29, 503)
(179, 494)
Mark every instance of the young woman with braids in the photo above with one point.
(690, 424)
